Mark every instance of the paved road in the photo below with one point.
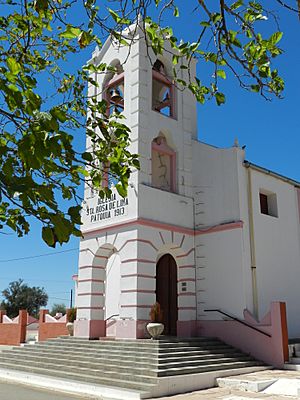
(9, 391)
(226, 394)
(21, 392)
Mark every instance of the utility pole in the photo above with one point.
(71, 298)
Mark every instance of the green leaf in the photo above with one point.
(176, 12)
(87, 156)
(74, 213)
(220, 98)
(13, 65)
(276, 37)
(175, 59)
(84, 39)
(221, 73)
(59, 114)
(115, 15)
(205, 24)
(70, 33)
(41, 5)
(215, 17)
(48, 236)
(255, 88)
(121, 190)
(34, 99)
(236, 4)
(136, 163)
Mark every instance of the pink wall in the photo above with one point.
(13, 333)
(131, 329)
(186, 328)
(49, 330)
(92, 329)
(272, 350)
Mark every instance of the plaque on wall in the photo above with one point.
(97, 209)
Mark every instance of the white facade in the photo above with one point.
(205, 212)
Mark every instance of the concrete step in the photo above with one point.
(144, 375)
(294, 351)
(130, 349)
(139, 368)
(209, 367)
(97, 365)
(297, 346)
(295, 360)
(75, 369)
(291, 366)
(136, 354)
(246, 384)
(152, 346)
(134, 342)
(82, 377)
(141, 342)
(126, 360)
(130, 364)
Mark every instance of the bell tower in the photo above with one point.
(126, 240)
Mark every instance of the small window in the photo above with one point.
(268, 203)
(264, 209)
(162, 91)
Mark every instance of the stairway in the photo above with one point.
(131, 364)
(294, 361)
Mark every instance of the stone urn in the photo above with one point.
(70, 328)
(155, 329)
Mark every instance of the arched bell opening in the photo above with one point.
(163, 93)
(113, 88)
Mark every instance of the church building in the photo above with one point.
(200, 229)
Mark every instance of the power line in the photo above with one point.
(57, 293)
(36, 279)
(38, 256)
(57, 298)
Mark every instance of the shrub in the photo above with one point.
(156, 313)
(71, 314)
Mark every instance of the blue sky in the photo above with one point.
(270, 131)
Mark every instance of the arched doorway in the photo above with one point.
(166, 292)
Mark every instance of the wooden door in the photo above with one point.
(166, 292)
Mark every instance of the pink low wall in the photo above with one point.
(51, 328)
(272, 350)
(186, 328)
(13, 332)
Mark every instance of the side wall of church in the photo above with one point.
(277, 246)
(223, 249)
(222, 244)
